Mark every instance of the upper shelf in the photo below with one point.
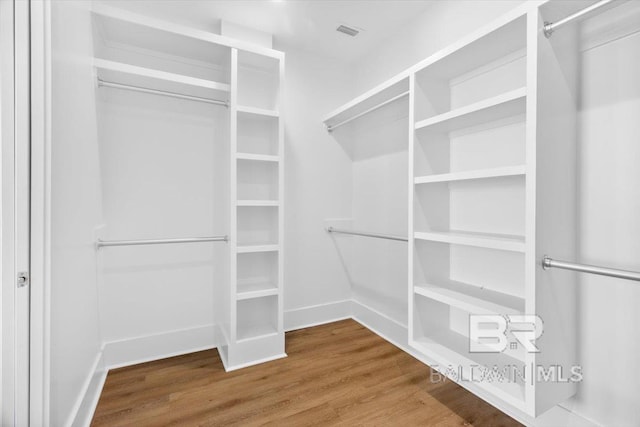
(379, 96)
(503, 37)
(146, 78)
(508, 104)
(119, 26)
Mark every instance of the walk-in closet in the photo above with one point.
(315, 212)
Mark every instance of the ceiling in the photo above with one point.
(308, 25)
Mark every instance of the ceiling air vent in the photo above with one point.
(350, 31)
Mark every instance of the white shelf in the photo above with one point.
(376, 96)
(254, 331)
(124, 27)
(258, 203)
(256, 290)
(257, 157)
(257, 111)
(126, 74)
(469, 175)
(482, 240)
(448, 348)
(472, 299)
(508, 104)
(257, 248)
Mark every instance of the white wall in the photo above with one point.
(158, 157)
(440, 25)
(76, 210)
(318, 180)
(609, 227)
(377, 268)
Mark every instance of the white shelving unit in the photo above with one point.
(477, 169)
(488, 195)
(257, 150)
(176, 61)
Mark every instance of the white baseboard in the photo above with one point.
(132, 351)
(82, 412)
(315, 315)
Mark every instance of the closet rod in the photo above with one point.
(602, 271)
(103, 243)
(362, 233)
(388, 101)
(550, 27)
(161, 92)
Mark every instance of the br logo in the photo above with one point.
(496, 333)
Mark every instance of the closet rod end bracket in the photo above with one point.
(548, 29)
(546, 262)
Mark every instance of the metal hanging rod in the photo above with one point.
(388, 101)
(162, 92)
(602, 271)
(550, 27)
(362, 233)
(103, 243)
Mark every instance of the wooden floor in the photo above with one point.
(340, 374)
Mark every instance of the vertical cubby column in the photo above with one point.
(256, 210)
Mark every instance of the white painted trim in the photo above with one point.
(255, 362)
(147, 348)
(85, 405)
(39, 363)
(314, 315)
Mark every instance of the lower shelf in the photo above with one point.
(252, 331)
(473, 299)
(450, 352)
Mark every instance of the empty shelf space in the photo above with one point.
(257, 157)
(256, 290)
(475, 174)
(508, 104)
(245, 249)
(248, 203)
(257, 111)
(132, 75)
(472, 299)
(257, 317)
(482, 240)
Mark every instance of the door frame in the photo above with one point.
(15, 211)
(40, 55)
